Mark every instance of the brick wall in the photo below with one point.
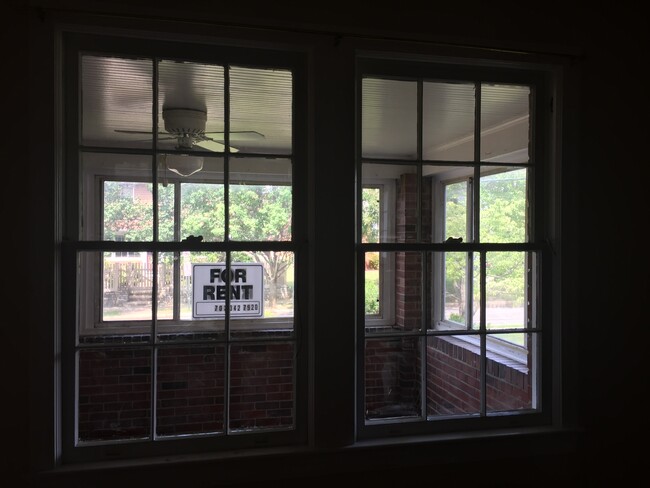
(115, 390)
(408, 265)
(114, 394)
(453, 381)
(392, 377)
(190, 390)
(261, 386)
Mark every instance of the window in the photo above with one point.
(183, 221)
(455, 251)
(204, 310)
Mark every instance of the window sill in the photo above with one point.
(302, 461)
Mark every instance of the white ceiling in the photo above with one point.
(117, 95)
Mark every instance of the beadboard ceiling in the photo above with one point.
(118, 93)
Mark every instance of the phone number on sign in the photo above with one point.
(239, 307)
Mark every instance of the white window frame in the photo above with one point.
(386, 317)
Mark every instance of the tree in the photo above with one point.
(370, 225)
(456, 263)
(256, 213)
(127, 216)
(502, 219)
(263, 213)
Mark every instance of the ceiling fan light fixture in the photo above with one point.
(183, 164)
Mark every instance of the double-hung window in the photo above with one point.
(192, 312)
(450, 248)
(182, 264)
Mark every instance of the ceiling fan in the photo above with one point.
(187, 126)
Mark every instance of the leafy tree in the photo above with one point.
(502, 219)
(257, 213)
(456, 263)
(370, 206)
(370, 223)
(128, 214)
(263, 213)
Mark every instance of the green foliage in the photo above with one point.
(372, 260)
(203, 211)
(125, 216)
(456, 210)
(257, 213)
(260, 212)
(457, 318)
(502, 219)
(372, 292)
(370, 208)
(503, 207)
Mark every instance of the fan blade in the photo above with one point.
(136, 131)
(242, 135)
(212, 145)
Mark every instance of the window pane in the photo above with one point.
(371, 208)
(200, 202)
(260, 200)
(392, 378)
(394, 218)
(505, 125)
(113, 298)
(128, 211)
(190, 390)
(457, 287)
(117, 199)
(176, 302)
(379, 291)
(448, 121)
(126, 287)
(408, 290)
(167, 279)
(373, 283)
(278, 279)
(454, 290)
(456, 210)
(511, 372)
(400, 287)
(261, 110)
(446, 197)
(453, 375)
(262, 386)
(504, 204)
(116, 102)
(114, 394)
(186, 306)
(190, 105)
(389, 119)
(506, 290)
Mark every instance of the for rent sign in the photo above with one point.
(211, 284)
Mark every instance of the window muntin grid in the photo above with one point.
(467, 174)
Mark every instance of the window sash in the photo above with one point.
(420, 425)
(73, 242)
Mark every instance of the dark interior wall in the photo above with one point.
(604, 199)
